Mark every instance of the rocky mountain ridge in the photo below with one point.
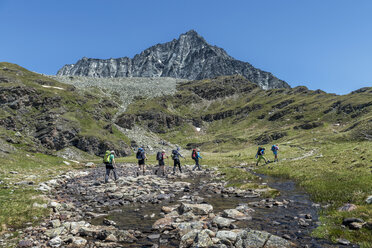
(189, 57)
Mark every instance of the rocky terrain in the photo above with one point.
(45, 115)
(223, 107)
(126, 89)
(179, 210)
(188, 57)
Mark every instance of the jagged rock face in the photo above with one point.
(189, 57)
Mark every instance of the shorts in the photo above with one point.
(275, 153)
(109, 166)
(141, 162)
(161, 162)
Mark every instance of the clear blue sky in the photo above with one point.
(325, 44)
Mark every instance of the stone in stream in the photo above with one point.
(153, 236)
(78, 242)
(235, 214)
(343, 241)
(222, 222)
(162, 223)
(198, 209)
(203, 240)
(55, 242)
(188, 239)
(252, 238)
(227, 236)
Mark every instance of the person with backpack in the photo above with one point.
(141, 157)
(109, 161)
(275, 149)
(176, 159)
(196, 155)
(160, 156)
(260, 155)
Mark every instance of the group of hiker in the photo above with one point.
(261, 152)
(109, 160)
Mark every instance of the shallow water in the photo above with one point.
(278, 220)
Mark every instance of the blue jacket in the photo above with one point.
(198, 155)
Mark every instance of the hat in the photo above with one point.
(112, 151)
(163, 150)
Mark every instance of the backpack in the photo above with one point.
(106, 157)
(139, 154)
(159, 156)
(260, 151)
(174, 154)
(274, 148)
(193, 154)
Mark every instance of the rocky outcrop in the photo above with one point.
(48, 116)
(188, 57)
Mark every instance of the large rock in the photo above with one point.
(189, 57)
(202, 240)
(198, 209)
(252, 239)
(222, 222)
(55, 242)
(235, 214)
(162, 223)
(188, 239)
(369, 199)
(227, 235)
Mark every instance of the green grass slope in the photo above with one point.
(325, 139)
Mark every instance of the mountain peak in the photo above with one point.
(189, 57)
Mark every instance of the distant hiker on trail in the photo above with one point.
(141, 156)
(260, 155)
(275, 149)
(176, 159)
(196, 155)
(109, 161)
(160, 156)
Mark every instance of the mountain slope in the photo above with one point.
(40, 114)
(231, 110)
(189, 57)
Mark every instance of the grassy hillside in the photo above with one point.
(39, 118)
(325, 139)
(41, 114)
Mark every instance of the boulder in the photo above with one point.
(51, 233)
(198, 209)
(369, 199)
(78, 242)
(222, 222)
(252, 238)
(235, 214)
(227, 235)
(55, 242)
(188, 239)
(202, 240)
(162, 223)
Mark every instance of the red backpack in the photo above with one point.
(193, 154)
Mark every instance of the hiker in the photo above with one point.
(260, 155)
(196, 155)
(160, 156)
(141, 156)
(275, 149)
(109, 161)
(176, 159)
